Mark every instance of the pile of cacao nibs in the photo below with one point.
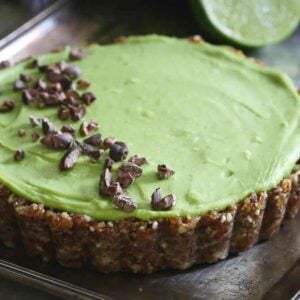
(59, 87)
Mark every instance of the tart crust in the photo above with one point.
(135, 245)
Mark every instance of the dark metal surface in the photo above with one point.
(270, 270)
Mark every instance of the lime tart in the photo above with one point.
(148, 154)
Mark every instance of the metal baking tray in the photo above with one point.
(270, 270)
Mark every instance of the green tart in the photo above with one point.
(225, 124)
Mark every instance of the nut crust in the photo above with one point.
(145, 246)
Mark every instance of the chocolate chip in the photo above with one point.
(19, 155)
(35, 137)
(73, 72)
(88, 98)
(47, 126)
(95, 154)
(125, 179)
(28, 95)
(6, 106)
(4, 64)
(87, 127)
(124, 202)
(19, 85)
(70, 158)
(132, 168)
(34, 121)
(83, 84)
(77, 54)
(108, 163)
(68, 128)
(77, 113)
(21, 132)
(64, 113)
(118, 151)
(94, 140)
(58, 141)
(138, 160)
(163, 172)
(159, 203)
(108, 142)
(105, 182)
(25, 78)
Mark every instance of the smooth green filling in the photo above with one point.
(226, 125)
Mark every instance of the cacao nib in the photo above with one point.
(6, 106)
(58, 141)
(64, 113)
(70, 158)
(108, 142)
(118, 151)
(54, 75)
(124, 202)
(44, 68)
(47, 126)
(66, 83)
(19, 85)
(25, 78)
(94, 140)
(40, 84)
(34, 121)
(35, 137)
(77, 54)
(19, 155)
(138, 160)
(133, 169)
(88, 98)
(87, 127)
(73, 72)
(115, 189)
(28, 95)
(83, 84)
(68, 128)
(4, 64)
(105, 182)
(21, 132)
(108, 163)
(159, 203)
(163, 172)
(95, 154)
(62, 65)
(125, 179)
(77, 113)
(86, 148)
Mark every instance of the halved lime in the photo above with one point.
(249, 23)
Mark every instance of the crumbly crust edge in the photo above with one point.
(138, 246)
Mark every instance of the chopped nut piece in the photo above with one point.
(159, 203)
(7, 105)
(124, 202)
(94, 140)
(118, 151)
(88, 98)
(105, 182)
(77, 54)
(35, 137)
(70, 158)
(19, 85)
(68, 128)
(58, 141)
(83, 84)
(87, 127)
(4, 64)
(163, 172)
(138, 160)
(21, 132)
(19, 155)
(34, 121)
